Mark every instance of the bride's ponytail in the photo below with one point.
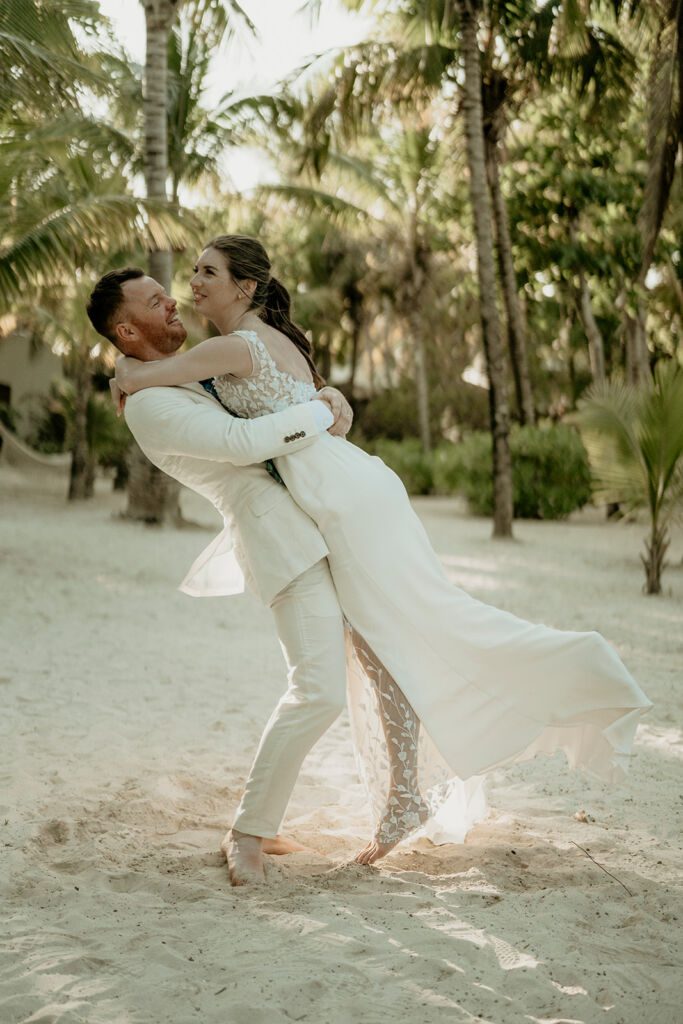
(276, 313)
(247, 260)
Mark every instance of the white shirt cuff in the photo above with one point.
(322, 414)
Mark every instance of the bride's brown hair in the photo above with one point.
(246, 259)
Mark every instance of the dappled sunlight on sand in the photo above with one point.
(132, 713)
(665, 740)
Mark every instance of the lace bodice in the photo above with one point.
(267, 389)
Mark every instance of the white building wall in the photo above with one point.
(28, 375)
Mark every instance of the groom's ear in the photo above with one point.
(124, 336)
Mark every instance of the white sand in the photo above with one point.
(131, 713)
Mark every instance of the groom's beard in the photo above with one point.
(159, 339)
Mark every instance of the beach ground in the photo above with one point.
(130, 716)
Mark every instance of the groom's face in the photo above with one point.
(148, 322)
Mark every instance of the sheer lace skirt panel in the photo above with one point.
(407, 780)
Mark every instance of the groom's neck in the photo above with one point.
(146, 352)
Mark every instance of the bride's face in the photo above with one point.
(216, 293)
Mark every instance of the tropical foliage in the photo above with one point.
(477, 207)
(635, 440)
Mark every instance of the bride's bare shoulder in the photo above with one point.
(283, 352)
(233, 350)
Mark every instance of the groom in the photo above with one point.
(278, 551)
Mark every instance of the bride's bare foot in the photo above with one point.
(244, 855)
(398, 822)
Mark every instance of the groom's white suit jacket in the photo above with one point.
(268, 540)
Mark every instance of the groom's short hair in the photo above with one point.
(107, 297)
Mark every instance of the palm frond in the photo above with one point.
(310, 199)
(40, 58)
(83, 231)
(634, 439)
(66, 132)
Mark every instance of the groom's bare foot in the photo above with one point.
(244, 855)
(278, 846)
(282, 845)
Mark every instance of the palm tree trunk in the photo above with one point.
(152, 496)
(653, 559)
(418, 259)
(483, 218)
(159, 15)
(516, 322)
(596, 347)
(355, 352)
(635, 344)
(355, 310)
(665, 137)
(81, 476)
(422, 386)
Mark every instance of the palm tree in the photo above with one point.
(665, 140)
(56, 159)
(527, 48)
(159, 17)
(171, 100)
(574, 186)
(173, 118)
(483, 218)
(520, 46)
(394, 183)
(634, 438)
(66, 326)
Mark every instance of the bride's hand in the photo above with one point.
(117, 396)
(125, 373)
(340, 408)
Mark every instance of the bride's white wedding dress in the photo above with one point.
(442, 687)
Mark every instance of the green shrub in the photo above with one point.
(551, 475)
(471, 472)
(392, 413)
(408, 460)
(447, 468)
(550, 472)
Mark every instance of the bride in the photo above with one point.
(442, 687)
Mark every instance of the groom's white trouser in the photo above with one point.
(311, 630)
